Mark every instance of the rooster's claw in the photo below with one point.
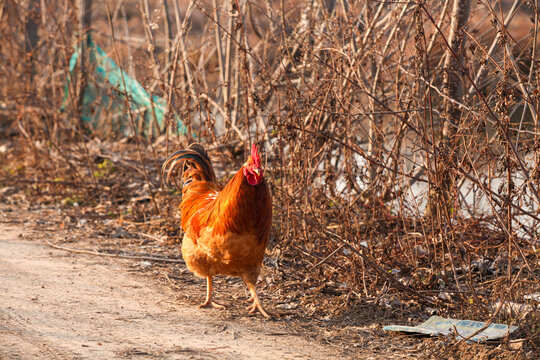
(210, 303)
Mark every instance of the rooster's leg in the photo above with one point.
(256, 302)
(209, 292)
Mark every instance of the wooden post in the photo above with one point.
(453, 85)
(85, 21)
(31, 36)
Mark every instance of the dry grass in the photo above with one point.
(404, 164)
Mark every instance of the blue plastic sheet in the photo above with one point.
(104, 109)
(437, 325)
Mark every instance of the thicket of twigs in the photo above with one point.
(402, 137)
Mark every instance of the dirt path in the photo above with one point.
(55, 305)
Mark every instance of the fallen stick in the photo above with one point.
(135, 257)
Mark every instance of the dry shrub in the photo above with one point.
(398, 167)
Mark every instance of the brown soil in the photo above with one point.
(63, 305)
(58, 304)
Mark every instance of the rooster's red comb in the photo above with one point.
(255, 155)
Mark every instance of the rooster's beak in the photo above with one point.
(256, 171)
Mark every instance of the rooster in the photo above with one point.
(226, 227)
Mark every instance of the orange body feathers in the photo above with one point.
(226, 228)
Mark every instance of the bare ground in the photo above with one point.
(62, 305)
(56, 304)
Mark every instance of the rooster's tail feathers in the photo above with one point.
(197, 165)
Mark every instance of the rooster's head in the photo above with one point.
(252, 168)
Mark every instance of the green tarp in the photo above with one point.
(103, 107)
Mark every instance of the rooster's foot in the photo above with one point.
(209, 292)
(211, 303)
(255, 301)
(257, 306)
